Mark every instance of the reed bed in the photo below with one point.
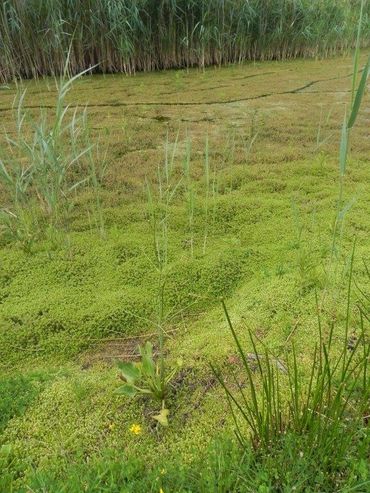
(131, 35)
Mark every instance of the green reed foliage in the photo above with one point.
(42, 165)
(207, 194)
(130, 35)
(349, 121)
(190, 193)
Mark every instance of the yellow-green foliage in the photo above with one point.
(98, 288)
(78, 415)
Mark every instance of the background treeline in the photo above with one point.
(130, 35)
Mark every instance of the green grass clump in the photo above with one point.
(220, 469)
(17, 393)
(41, 166)
(127, 35)
(331, 400)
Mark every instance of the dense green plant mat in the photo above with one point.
(73, 303)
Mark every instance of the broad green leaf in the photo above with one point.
(127, 390)
(147, 361)
(130, 372)
(359, 93)
(162, 417)
(148, 365)
(146, 391)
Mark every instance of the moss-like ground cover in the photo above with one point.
(68, 311)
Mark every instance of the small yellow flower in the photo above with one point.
(163, 471)
(135, 429)
(111, 426)
(160, 490)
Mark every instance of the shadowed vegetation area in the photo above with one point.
(176, 189)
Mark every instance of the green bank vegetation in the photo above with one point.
(241, 274)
